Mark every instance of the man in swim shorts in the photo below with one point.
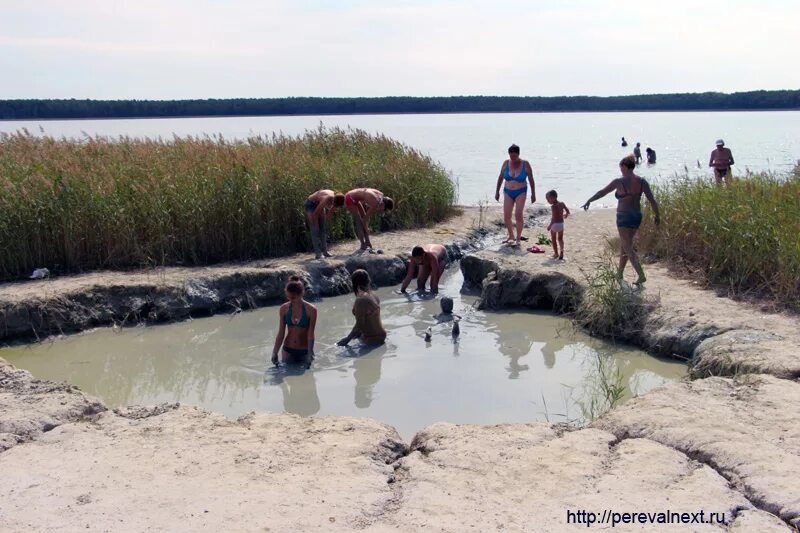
(319, 209)
(721, 161)
(427, 260)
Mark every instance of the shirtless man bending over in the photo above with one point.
(362, 203)
(427, 260)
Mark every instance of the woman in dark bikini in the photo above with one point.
(514, 171)
(628, 191)
(299, 318)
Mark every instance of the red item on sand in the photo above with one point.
(535, 250)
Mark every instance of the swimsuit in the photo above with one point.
(555, 227)
(348, 200)
(310, 206)
(513, 193)
(296, 355)
(633, 217)
(304, 321)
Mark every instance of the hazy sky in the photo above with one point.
(164, 49)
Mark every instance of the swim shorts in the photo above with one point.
(557, 226)
(310, 206)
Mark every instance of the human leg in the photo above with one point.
(561, 244)
(359, 228)
(519, 212)
(508, 205)
(323, 232)
(315, 234)
(554, 242)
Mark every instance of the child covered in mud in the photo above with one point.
(556, 227)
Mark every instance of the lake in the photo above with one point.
(575, 153)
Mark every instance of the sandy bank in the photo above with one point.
(728, 445)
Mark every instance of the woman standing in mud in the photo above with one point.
(296, 322)
(515, 172)
(628, 191)
(367, 310)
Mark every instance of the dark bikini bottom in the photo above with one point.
(629, 219)
(513, 193)
(297, 356)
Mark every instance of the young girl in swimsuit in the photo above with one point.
(297, 320)
(559, 212)
(628, 191)
(514, 172)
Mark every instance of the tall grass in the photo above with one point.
(745, 237)
(127, 202)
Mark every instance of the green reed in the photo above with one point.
(745, 237)
(74, 205)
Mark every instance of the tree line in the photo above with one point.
(710, 101)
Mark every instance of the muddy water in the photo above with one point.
(504, 367)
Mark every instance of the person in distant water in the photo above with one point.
(362, 203)
(637, 152)
(628, 191)
(515, 172)
(624, 142)
(367, 310)
(651, 156)
(428, 260)
(721, 161)
(559, 212)
(319, 209)
(296, 322)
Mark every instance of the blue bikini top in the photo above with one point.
(522, 175)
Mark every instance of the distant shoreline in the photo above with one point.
(154, 117)
(73, 109)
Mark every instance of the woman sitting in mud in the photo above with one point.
(367, 310)
(628, 191)
(319, 210)
(362, 203)
(300, 318)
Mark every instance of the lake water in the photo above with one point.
(504, 367)
(575, 153)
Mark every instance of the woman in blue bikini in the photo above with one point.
(514, 172)
(299, 318)
(628, 190)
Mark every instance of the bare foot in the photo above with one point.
(555, 256)
(326, 254)
(561, 256)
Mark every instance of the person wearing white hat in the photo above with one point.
(721, 161)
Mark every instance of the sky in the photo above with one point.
(178, 49)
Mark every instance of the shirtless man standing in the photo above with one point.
(362, 203)
(721, 160)
(319, 209)
(428, 260)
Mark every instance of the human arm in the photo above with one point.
(279, 336)
(566, 210)
(711, 159)
(652, 199)
(599, 194)
(312, 324)
(730, 158)
(409, 275)
(500, 181)
(358, 310)
(529, 171)
(436, 272)
(329, 209)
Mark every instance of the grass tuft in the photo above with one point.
(744, 238)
